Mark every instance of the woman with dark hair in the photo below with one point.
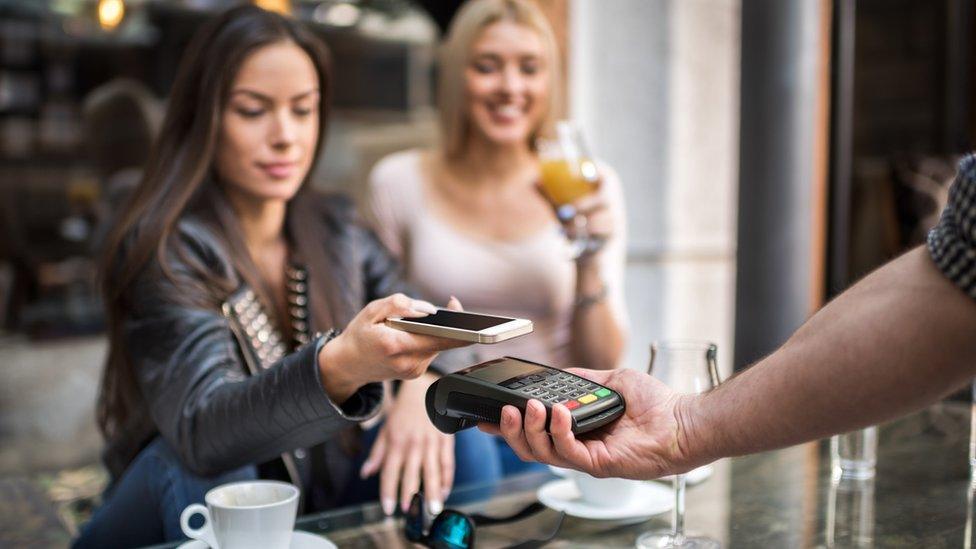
(220, 276)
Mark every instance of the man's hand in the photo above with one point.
(648, 442)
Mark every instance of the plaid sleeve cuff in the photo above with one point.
(952, 243)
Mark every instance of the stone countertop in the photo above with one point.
(784, 498)
(920, 497)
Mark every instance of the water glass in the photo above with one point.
(972, 430)
(850, 512)
(855, 454)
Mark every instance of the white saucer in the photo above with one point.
(693, 477)
(650, 499)
(299, 540)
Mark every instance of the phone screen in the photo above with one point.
(464, 321)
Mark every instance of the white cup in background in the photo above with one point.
(256, 514)
(604, 492)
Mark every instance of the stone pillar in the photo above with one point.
(655, 84)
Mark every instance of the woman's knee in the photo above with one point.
(165, 463)
(177, 486)
(149, 496)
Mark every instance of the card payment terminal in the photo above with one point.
(476, 394)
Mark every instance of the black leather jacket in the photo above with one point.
(189, 366)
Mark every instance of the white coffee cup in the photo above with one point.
(605, 492)
(257, 514)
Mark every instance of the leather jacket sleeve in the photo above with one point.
(188, 368)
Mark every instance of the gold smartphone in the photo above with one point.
(465, 326)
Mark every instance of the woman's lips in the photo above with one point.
(278, 170)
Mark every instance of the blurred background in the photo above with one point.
(771, 153)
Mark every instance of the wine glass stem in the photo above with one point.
(678, 516)
(581, 240)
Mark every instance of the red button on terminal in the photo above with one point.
(572, 404)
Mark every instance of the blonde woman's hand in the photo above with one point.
(409, 448)
(588, 216)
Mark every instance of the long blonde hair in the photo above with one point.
(473, 17)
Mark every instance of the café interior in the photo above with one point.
(770, 154)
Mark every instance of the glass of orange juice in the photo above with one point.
(567, 173)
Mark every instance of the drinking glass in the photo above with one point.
(686, 367)
(972, 429)
(968, 531)
(567, 173)
(850, 512)
(855, 454)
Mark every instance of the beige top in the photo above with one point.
(532, 278)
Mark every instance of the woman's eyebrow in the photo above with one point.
(303, 95)
(495, 56)
(262, 97)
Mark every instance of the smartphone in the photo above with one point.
(465, 326)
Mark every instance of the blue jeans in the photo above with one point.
(480, 459)
(511, 464)
(143, 506)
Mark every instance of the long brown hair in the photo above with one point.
(179, 178)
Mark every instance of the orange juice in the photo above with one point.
(563, 180)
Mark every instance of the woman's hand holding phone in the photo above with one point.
(369, 351)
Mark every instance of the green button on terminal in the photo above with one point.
(602, 393)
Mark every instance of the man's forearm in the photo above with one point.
(899, 339)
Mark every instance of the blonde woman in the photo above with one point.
(466, 218)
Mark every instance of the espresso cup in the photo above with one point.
(257, 514)
(605, 492)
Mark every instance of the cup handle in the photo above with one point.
(205, 532)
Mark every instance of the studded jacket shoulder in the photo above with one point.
(197, 391)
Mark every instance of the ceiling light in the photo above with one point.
(110, 13)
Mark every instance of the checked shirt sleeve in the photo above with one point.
(952, 243)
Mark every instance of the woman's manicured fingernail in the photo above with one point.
(423, 307)
(388, 506)
(435, 506)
